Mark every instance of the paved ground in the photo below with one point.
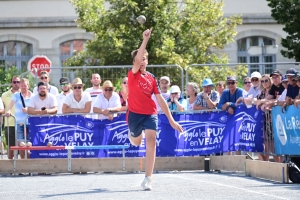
(166, 185)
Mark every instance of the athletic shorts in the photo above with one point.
(139, 122)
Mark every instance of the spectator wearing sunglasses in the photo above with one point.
(292, 89)
(208, 99)
(176, 102)
(10, 122)
(231, 95)
(247, 83)
(255, 88)
(108, 102)
(297, 99)
(77, 101)
(66, 89)
(44, 77)
(123, 93)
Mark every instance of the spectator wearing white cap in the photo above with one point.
(164, 85)
(176, 102)
(255, 88)
(209, 98)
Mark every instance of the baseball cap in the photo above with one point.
(255, 75)
(297, 76)
(231, 78)
(291, 72)
(165, 78)
(64, 80)
(276, 72)
(284, 78)
(174, 89)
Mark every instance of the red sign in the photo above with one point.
(37, 64)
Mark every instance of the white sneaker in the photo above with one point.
(146, 184)
(129, 137)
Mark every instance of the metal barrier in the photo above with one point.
(114, 73)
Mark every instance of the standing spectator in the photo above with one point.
(1, 121)
(9, 123)
(107, 102)
(43, 103)
(21, 100)
(124, 93)
(44, 77)
(192, 89)
(247, 84)
(94, 91)
(209, 98)
(220, 87)
(297, 100)
(66, 89)
(292, 89)
(176, 102)
(77, 101)
(255, 88)
(230, 95)
(164, 85)
(277, 87)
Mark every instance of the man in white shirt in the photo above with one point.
(66, 89)
(95, 90)
(107, 102)
(255, 88)
(77, 101)
(43, 103)
(44, 77)
(164, 85)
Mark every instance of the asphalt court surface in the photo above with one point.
(166, 185)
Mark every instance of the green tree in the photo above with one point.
(183, 33)
(287, 13)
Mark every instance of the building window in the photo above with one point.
(15, 53)
(261, 55)
(68, 48)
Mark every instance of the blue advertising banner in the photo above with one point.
(204, 134)
(286, 129)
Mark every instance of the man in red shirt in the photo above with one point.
(142, 112)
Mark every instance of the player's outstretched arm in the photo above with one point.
(139, 57)
(164, 107)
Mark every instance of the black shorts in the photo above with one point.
(12, 135)
(139, 122)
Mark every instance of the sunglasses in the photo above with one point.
(230, 83)
(16, 82)
(64, 84)
(44, 77)
(175, 93)
(124, 82)
(77, 87)
(247, 83)
(254, 79)
(264, 81)
(108, 89)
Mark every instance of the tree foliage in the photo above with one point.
(183, 33)
(288, 13)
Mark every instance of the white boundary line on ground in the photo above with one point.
(230, 186)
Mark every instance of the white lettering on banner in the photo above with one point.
(247, 136)
(295, 140)
(69, 139)
(210, 141)
(209, 132)
(249, 127)
(292, 123)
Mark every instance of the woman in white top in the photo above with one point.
(192, 89)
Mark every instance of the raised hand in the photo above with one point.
(146, 34)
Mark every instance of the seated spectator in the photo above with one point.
(176, 102)
(21, 101)
(208, 99)
(247, 84)
(66, 89)
(77, 101)
(164, 85)
(43, 103)
(124, 93)
(107, 102)
(220, 87)
(231, 95)
(255, 88)
(192, 89)
(44, 77)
